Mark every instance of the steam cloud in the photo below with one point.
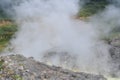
(49, 31)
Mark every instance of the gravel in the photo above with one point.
(18, 67)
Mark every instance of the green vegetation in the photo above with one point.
(7, 29)
(6, 33)
(92, 7)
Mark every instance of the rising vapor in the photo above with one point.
(49, 31)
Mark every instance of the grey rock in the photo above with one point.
(18, 66)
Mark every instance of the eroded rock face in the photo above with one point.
(17, 67)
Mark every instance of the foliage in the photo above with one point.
(3, 44)
(6, 33)
(92, 7)
(7, 28)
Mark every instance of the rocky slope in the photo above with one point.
(115, 56)
(17, 67)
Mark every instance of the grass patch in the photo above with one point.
(7, 29)
(3, 44)
(6, 33)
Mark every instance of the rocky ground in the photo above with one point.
(17, 67)
(115, 56)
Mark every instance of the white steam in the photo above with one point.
(49, 32)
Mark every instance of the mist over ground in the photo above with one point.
(49, 31)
